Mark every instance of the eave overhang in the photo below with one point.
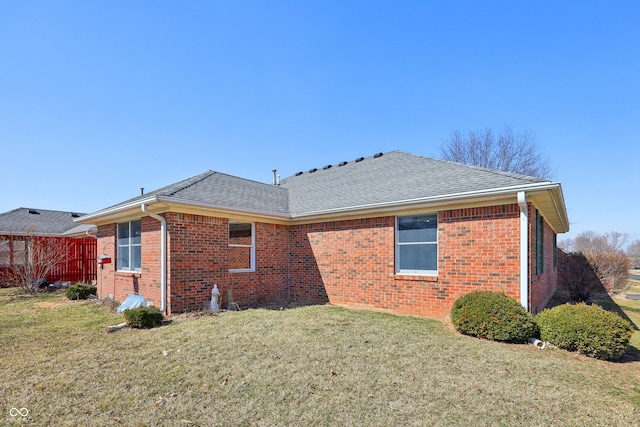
(546, 197)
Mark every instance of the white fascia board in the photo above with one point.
(115, 210)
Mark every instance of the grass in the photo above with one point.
(319, 365)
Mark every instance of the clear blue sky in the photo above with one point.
(100, 98)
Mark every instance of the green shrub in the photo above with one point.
(80, 291)
(587, 329)
(494, 316)
(143, 317)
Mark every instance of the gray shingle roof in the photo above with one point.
(37, 221)
(383, 179)
(219, 189)
(391, 177)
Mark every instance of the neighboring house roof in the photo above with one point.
(27, 221)
(385, 182)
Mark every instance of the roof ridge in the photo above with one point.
(190, 182)
(340, 164)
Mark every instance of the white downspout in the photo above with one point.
(524, 250)
(163, 256)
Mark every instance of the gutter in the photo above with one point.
(163, 255)
(469, 196)
(524, 249)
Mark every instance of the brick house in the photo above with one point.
(393, 232)
(26, 233)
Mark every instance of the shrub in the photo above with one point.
(588, 329)
(143, 317)
(80, 291)
(494, 316)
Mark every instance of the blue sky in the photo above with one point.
(100, 98)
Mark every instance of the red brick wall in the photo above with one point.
(352, 262)
(200, 257)
(543, 286)
(119, 284)
(349, 263)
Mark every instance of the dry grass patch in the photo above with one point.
(317, 365)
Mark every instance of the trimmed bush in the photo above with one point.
(493, 316)
(588, 329)
(80, 291)
(143, 317)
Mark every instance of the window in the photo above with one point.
(5, 252)
(20, 252)
(539, 243)
(417, 244)
(129, 247)
(241, 246)
(14, 251)
(555, 250)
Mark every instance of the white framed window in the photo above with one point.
(417, 244)
(242, 245)
(129, 246)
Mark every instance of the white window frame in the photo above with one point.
(252, 246)
(398, 244)
(129, 245)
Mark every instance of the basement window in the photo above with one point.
(129, 246)
(417, 245)
(242, 254)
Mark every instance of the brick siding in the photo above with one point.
(348, 263)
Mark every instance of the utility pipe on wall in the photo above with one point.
(163, 255)
(524, 249)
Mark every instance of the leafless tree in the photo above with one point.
(633, 252)
(33, 260)
(590, 241)
(604, 254)
(509, 151)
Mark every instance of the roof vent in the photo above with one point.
(342, 163)
(327, 167)
(299, 173)
(359, 159)
(313, 170)
(375, 156)
(74, 215)
(34, 212)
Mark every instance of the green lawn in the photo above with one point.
(317, 365)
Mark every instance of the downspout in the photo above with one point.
(163, 256)
(524, 250)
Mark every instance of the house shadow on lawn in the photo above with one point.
(577, 282)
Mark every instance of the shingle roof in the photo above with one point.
(219, 189)
(37, 221)
(386, 178)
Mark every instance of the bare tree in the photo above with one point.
(32, 260)
(604, 254)
(590, 241)
(633, 252)
(509, 151)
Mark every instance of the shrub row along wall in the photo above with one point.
(349, 263)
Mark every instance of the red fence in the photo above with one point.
(79, 257)
(81, 263)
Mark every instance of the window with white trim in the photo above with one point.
(129, 246)
(417, 244)
(242, 254)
